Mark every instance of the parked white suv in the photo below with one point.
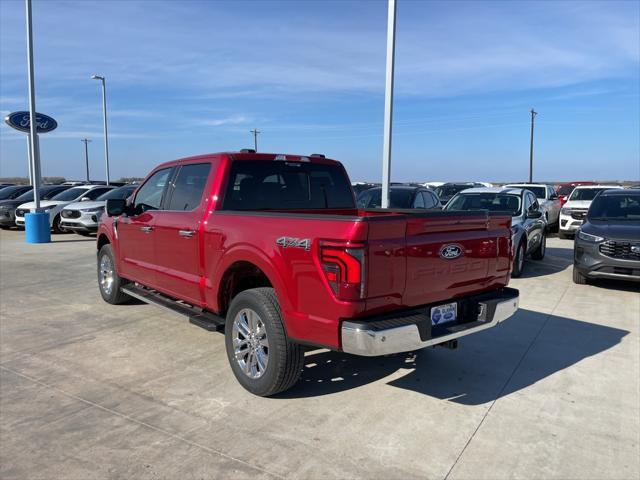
(83, 217)
(575, 210)
(548, 200)
(54, 206)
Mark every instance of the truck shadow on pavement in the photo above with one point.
(556, 259)
(497, 362)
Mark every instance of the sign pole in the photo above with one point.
(388, 103)
(37, 229)
(29, 159)
(35, 154)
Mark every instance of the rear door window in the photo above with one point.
(188, 186)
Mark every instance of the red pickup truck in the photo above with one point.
(273, 250)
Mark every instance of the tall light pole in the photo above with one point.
(37, 228)
(86, 154)
(255, 138)
(533, 116)
(104, 114)
(388, 103)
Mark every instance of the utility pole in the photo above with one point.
(255, 138)
(86, 154)
(533, 116)
(388, 103)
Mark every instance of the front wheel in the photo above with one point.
(109, 282)
(518, 261)
(538, 253)
(262, 359)
(56, 225)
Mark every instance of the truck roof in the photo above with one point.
(244, 156)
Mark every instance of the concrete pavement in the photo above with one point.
(90, 390)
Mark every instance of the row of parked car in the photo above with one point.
(71, 207)
(537, 209)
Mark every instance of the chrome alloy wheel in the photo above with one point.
(250, 343)
(106, 275)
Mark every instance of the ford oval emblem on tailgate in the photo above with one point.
(451, 251)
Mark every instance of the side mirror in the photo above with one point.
(85, 199)
(116, 207)
(534, 214)
(553, 197)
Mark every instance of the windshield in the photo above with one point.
(71, 194)
(398, 198)
(616, 207)
(585, 193)
(9, 193)
(279, 185)
(450, 190)
(45, 194)
(118, 193)
(494, 202)
(566, 189)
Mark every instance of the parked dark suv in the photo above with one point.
(607, 245)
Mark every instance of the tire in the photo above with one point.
(110, 290)
(55, 226)
(254, 319)
(578, 278)
(538, 253)
(518, 261)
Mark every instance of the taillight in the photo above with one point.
(344, 268)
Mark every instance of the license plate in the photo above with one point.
(444, 313)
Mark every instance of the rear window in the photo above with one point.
(451, 190)
(539, 192)
(494, 202)
(398, 198)
(278, 185)
(585, 193)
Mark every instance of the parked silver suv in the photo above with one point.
(528, 225)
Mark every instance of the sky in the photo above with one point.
(193, 77)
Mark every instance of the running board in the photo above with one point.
(197, 316)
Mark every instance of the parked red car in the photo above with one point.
(272, 249)
(565, 189)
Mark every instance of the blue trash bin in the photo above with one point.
(37, 228)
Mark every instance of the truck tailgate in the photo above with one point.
(407, 264)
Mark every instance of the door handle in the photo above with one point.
(186, 233)
(146, 229)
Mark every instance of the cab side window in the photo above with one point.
(418, 202)
(533, 202)
(188, 186)
(149, 196)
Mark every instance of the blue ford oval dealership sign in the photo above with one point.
(21, 121)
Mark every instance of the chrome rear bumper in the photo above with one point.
(413, 330)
